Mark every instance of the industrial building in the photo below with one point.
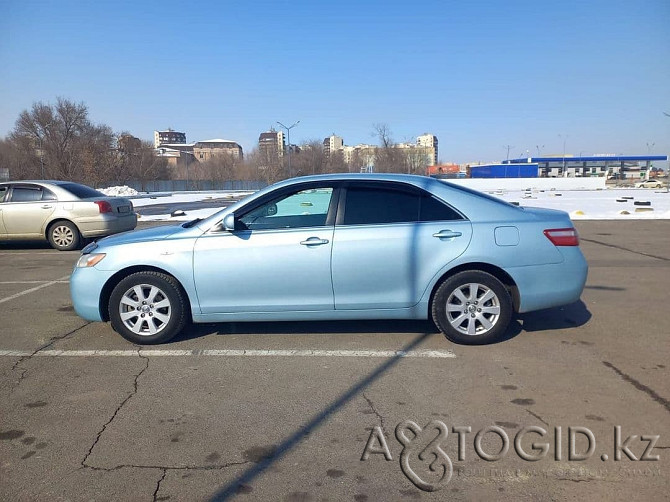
(634, 167)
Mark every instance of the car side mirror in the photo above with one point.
(229, 222)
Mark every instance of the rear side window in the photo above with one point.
(379, 205)
(368, 205)
(81, 191)
(3, 193)
(436, 210)
(48, 194)
(25, 194)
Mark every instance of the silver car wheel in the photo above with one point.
(473, 309)
(145, 309)
(63, 236)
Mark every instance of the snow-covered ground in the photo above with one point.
(608, 204)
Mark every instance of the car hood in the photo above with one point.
(145, 235)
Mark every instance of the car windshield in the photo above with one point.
(81, 191)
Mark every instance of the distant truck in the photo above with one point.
(505, 171)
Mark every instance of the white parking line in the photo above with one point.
(36, 288)
(430, 354)
(32, 282)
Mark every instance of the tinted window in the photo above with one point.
(24, 194)
(307, 208)
(81, 191)
(435, 210)
(3, 193)
(380, 205)
(48, 194)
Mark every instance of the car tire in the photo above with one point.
(148, 308)
(64, 236)
(472, 308)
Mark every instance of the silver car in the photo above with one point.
(62, 212)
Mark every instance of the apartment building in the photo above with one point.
(168, 137)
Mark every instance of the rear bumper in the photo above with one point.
(106, 225)
(552, 285)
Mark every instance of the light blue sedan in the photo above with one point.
(350, 246)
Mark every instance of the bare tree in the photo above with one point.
(310, 159)
(59, 141)
(388, 158)
(144, 165)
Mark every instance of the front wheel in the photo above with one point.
(148, 308)
(472, 308)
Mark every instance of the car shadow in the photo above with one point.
(25, 245)
(291, 441)
(308, 327)
(569, 316)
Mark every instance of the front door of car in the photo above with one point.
(389, 244)
(26, 211)
(276, 260)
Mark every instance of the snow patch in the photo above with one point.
(117, 191)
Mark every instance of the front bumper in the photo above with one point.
(86, 286)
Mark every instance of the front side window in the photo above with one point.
(307, 208)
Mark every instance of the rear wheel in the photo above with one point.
(64, 236)
(148, 308)
(472, 307)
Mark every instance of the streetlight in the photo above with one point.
(538, 150)
(564, 137)
(288, 140)
(509, 147)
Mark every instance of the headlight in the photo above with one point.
(90, 260)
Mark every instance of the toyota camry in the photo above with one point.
(334, 247)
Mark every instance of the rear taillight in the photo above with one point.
(563, 236)
(104, 206)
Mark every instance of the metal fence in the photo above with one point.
(183, 185)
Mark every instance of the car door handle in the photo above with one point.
(47, 207)
(447, 234)
(314, 241)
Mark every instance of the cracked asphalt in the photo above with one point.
(85, 415)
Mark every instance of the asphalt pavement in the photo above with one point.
(343, 410)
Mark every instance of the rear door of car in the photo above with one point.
(390, 241)
(26, 210)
